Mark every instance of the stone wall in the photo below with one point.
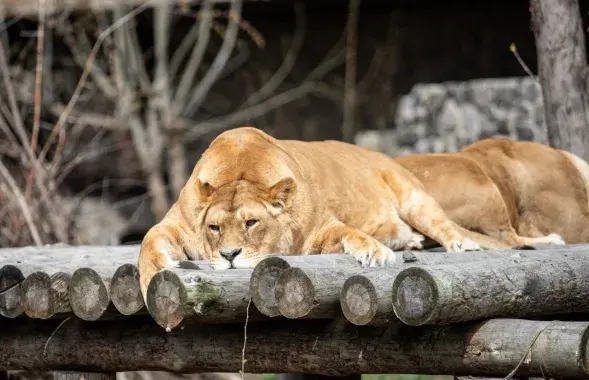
(444, 117)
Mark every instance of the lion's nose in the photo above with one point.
(230, 253)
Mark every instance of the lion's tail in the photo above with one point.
(581, 165)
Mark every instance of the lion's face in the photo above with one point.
(244, 222)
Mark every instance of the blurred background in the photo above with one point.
(107, 105)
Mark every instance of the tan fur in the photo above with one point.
(515, 191)
(305, 198)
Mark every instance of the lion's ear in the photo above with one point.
(282, 193)
(204, 190)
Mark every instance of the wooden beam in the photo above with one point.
(491, 348)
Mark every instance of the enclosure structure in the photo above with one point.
(488, 313)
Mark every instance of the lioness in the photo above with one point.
(521, 193)
(251, 195)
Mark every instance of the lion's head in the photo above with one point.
(242, 222)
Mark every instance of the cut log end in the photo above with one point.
(295, 293)
(10, 294)
(166, 297)
(263, 284)
(359, 300)
(415, 296)
(37, 299)
(89, 295)
(125, 290)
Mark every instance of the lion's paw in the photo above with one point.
(368, 251)
(464, 245)
(555, 239)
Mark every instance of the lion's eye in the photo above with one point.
(214, 227)
(250, 222)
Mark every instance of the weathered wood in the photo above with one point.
(562, 68)
(496, 288)
(219, 296)
(266, 272)
(316, 291)
(492, 348)
(43, 296)
(311, 292)
(125, 290)
(16, 264)
(68, 375)
(10, 293)
(366, 298)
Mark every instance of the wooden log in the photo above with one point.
(125, 290)
(492, 348)
(496, 288)
(19, 263)
(10, 293)
(266, 272)
(366, 298)
(311, 292)
(219, 296)
(43, 296)
(316, 292)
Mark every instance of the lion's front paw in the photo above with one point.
(555, 239)
(462, 245)
(368, 250)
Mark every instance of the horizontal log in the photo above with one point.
(218, 296)
(492, 348)
(523, 287)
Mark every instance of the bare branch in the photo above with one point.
(287, 64)
(22, 203)
(204, 33)
(253, 112)
(80, 53)
(349, 114)
(89, 64)
(201, 90)
(184, 48)
(38, 94)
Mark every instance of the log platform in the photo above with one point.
(487, 314)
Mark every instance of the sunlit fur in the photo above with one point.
(517, 191)
(307, 198)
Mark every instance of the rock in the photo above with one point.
(445, 117)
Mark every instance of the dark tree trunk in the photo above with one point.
(562, 68)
